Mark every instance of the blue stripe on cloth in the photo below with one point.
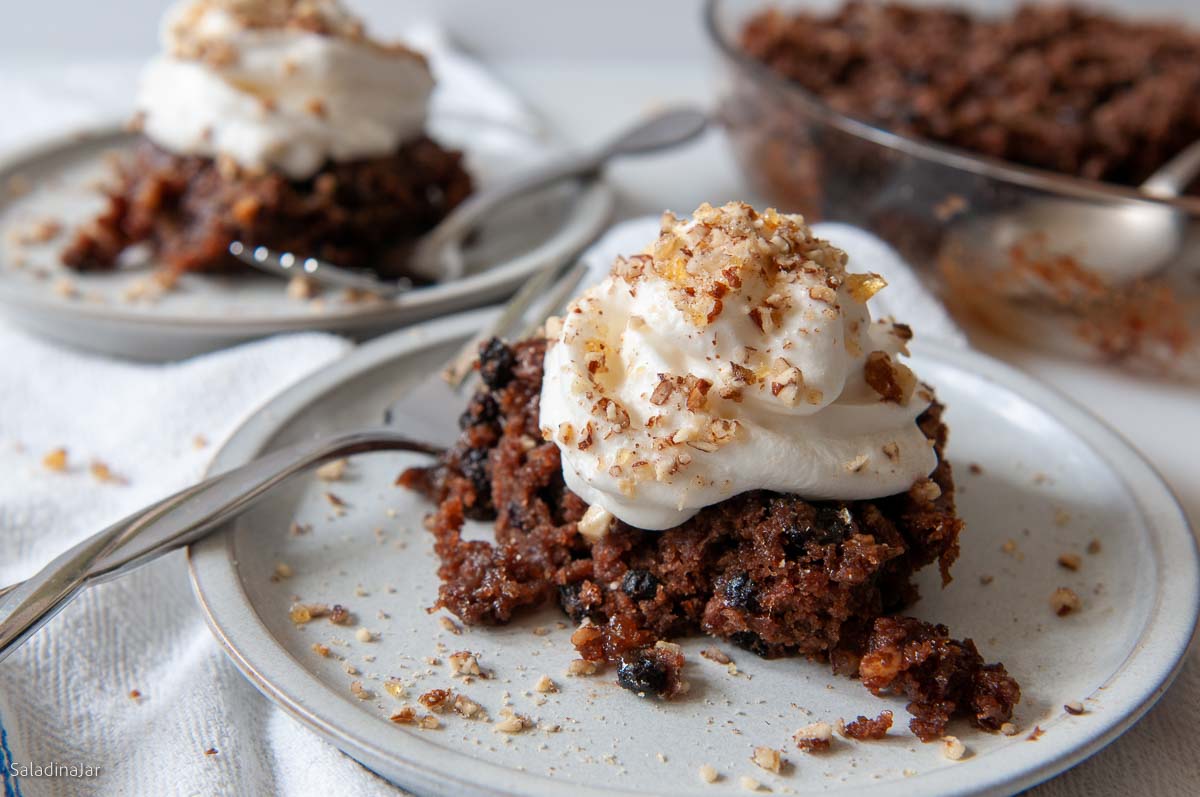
(12, 788)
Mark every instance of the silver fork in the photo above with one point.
(193, 513)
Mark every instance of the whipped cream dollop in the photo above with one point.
(735, 353)
(280, 85)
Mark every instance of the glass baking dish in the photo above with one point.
(1079, 266)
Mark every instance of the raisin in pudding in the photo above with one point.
(717, 438)
(278, 123)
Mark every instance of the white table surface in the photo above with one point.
(586, 100)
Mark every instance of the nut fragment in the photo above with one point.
(613, 412)
(709, 774)
(101, 472)
(302, 613)
(663, 390)
(714, 654)
(786, 381)
(1074, 708)
(595, 523)
(55, 460)
(464, 663)
(749, 784)
(893, 381)
(333, 471)
(767, 758)
(1070, 561)
(953, 748)
(436, 699)
(587, 438)
(862, 287)
(405, 716)
(466, 707)
(511, 722)
(857, 464)
(581, 667)
(823, 293)
(925, 491)
(740, 375)
(698, 395)
(545, 684)
(1064, 601)
(815, 737)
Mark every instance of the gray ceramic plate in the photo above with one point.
(115, 314)
(1050, 480)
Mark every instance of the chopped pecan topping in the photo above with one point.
(893, 381)
(697, 394)
(663, 390)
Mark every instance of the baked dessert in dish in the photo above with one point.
(717, 438)
(278, 123)
(973, 100)
(1059, 87)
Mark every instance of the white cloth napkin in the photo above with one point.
(64, 697)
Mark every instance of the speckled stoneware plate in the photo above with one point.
(1049, 479)
(121, 313)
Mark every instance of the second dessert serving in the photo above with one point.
(277, 123)
(717, 438)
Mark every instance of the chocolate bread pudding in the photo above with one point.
(277, 123)
(1058, 87)
(765, 470)
(360, 214)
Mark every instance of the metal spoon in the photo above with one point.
(1121, 240)
(438, 255)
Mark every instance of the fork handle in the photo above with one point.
(436, 254)
(169, 524)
